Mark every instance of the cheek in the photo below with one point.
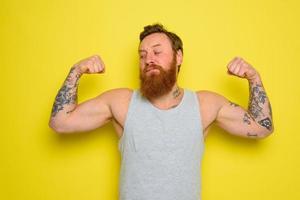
(141, 66)
(141, 63)
(167, 58)
(167, 62)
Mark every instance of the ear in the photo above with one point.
(179, 57)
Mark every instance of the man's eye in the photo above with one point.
(157, 52)
(142, 56)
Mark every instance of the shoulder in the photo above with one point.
(211, 100)
(210, 104)
(119, 98)
(114, 96)
(118, 101)
(117, 94)
(120, 91)
(206, 95)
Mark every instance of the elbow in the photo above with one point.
(57, 127)
(266, 133)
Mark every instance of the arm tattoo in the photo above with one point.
(247, 118)
(257, 98)
(267, 123)
(67, 94)
(259, 106)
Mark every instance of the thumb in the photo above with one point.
(229, 72)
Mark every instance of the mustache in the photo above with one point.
(153, 66)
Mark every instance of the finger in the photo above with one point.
(96, 64)
(96, 59)
(243, 69)
(236, 69)
(232, 67)
(230, 63)
(90, 70)
(96, 56)
(91, 66)
(241, 72)
(96, 67)
(245, 62)
(229, 72)
(237, 62)
(233, 60)
(99, 63)
(239, 65)
(234, 64)
(102, 66)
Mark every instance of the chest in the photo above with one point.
(120, 111)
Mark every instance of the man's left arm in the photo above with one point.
(256, 122)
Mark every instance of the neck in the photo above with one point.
(170, 99)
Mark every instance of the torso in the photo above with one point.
(121, 104)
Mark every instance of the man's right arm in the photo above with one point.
(67, 116)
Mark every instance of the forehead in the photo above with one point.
(155, 40)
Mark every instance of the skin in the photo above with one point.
(70, 117)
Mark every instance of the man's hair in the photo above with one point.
(175, 40)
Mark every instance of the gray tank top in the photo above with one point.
(161, 150)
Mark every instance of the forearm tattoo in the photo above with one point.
(267, 123)
(259, 106)
(67, 94)
(247, 118)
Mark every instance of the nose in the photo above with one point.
(149, 59)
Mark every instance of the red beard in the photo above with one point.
(156, 85)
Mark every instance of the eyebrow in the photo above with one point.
(156, 45)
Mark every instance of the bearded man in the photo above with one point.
(161, 126)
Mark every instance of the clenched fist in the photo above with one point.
(239, 67)
(90, 65)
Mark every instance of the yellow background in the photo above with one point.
(41, 40)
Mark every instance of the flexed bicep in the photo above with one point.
(87, 115)
(237, 121)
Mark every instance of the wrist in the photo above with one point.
(75, 69)
(255, 78)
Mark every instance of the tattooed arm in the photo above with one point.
(259, 107)
(66, 99)
(256, 121)
(66, 115)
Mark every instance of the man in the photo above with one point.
(161, 126)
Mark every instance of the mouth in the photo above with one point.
(152, 72)
(151, 69)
